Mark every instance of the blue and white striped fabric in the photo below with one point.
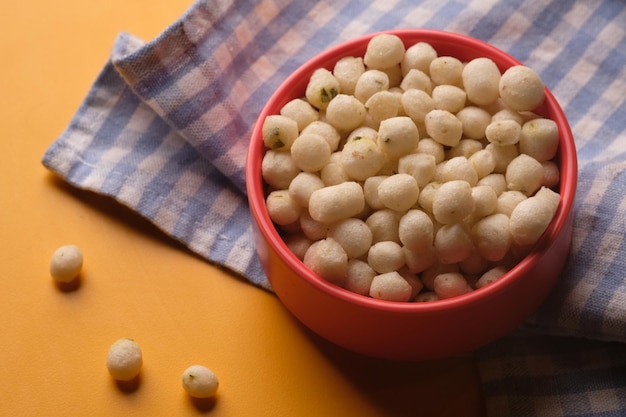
(164, 130)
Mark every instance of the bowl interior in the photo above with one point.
(445, 43)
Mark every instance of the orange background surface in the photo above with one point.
(138, 283)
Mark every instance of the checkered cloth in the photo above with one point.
(165, 127)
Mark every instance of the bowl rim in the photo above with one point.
(256, 188)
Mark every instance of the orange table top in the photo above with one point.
(138, 283)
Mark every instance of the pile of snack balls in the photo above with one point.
(407, 176)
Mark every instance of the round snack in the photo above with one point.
(124, 359)
(481, 78)
(384, 51)
(66, 263)
(521, 88)
(390, 286)
(200, 382)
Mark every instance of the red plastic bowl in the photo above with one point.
(412, 331)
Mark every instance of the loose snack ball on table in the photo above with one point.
(124, 359)
(200, 382)
(66, 263)
(407, 176)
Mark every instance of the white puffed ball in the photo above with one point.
(327, 258)
(416, 230)
(481, 79)
(444, 127)
(300, 111)
(363, 132)
(345, 112)
(310, 152)
(416, 104)
(420, 166)
(382, 105)
(278, 169)
(525, 174)
(398, 192)
(431, 147)
(490, 276)
(416, 79)
(360, 276)
(446, 70)
(521, 88)
(333, 173)
(325, 130)
(451, 284)
(531, 217)
(390, 286)
(347, 71)
(322, 88)
(459, 168)
(474, 121)
(302, 187)
(485, 201)
(420, 260)
(418, 56)
(361, 159)
(124, 359)
(508, 114)
(66, 263)
(311, 228)
(397, 136)
(384, 225)
(370, 191)
(452, 243)
(427, 196)
(453, 202)
(483, 163)
(492, 237)
(337, 202)
(503, 132)
(199, 381)
(281, 208)
(495, 181)
(508, 200)
(383, 51)
(449, 97)
(539, 138)
(502, 155)
(465, 147)
(386, 256)
(370, 82)
(279, 132)
(354, 236)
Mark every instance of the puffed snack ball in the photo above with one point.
(521, 88)
(481, 80)
(124, 359)
(384, 51)
(279, 132)
(531, 217)
(66, 263)
(345, 112)
(199, 381)
(322, 88)
(390, 286)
